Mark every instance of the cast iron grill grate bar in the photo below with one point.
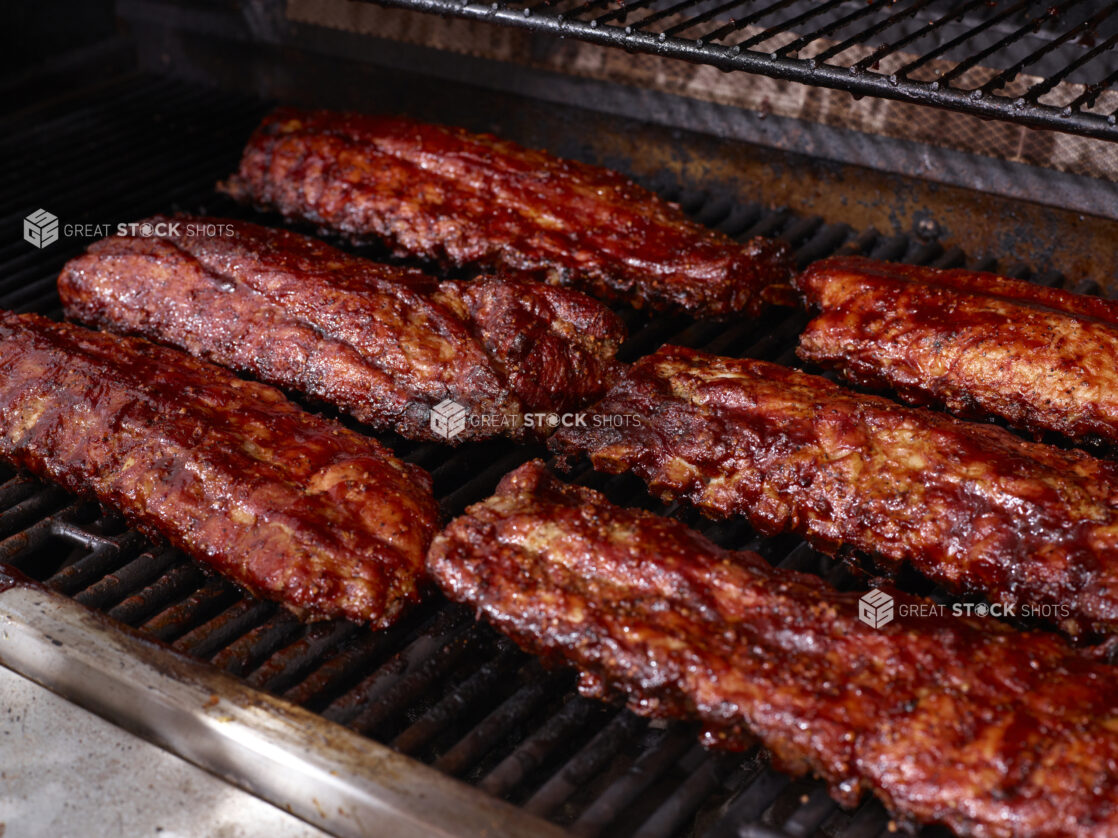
(947, 42)
(589, 6)
(792, 23)
(861, 36)
(438, 685)
(1041, 88)
(960, 69)
(622, 11)
(662, 14)
(1092, 92)
(916, 35)
(947, 47)
(709, 14)
(736, 24)
(830, 29)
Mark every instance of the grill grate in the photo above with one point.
(1044, 65)
(437, 686)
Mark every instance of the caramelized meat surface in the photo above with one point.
(971, 506)
(951, 720)
(976, 343)
(384, 344)
(293, 507)
(473, 200)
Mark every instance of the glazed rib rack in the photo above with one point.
(438, 686)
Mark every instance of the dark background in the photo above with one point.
(36, 31)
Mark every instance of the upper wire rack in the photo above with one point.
(1050, 65)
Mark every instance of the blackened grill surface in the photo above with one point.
(436, 685)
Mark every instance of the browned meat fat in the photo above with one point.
(383, 343)
(971, 506)
(977, 343)
(950, 720)
(461, 199)
(293, 507)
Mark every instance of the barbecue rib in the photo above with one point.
(384, 344)
(976, 343)
(293, 507)
(971, 506)
(462, 199)
(950, 720)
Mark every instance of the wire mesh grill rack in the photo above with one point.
(1046, 65)
(438, 686)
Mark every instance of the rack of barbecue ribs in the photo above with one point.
(472, 200)
(976, 343)
(382, 343)
(971, 506)
(293, 507)
(952, 720)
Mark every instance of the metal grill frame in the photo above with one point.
(589, 22)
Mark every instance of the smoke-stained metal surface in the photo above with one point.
(1009, 61)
